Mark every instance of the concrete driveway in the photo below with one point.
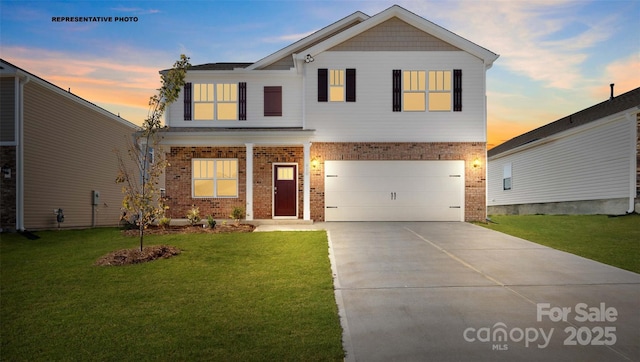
(459, 292)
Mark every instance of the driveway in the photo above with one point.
(438, 291)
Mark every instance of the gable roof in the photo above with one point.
(412, 19)
(601, 110)
(350, 27)
(312, 39)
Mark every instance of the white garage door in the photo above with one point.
(394, 190)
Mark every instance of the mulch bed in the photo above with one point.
(188, 229)
(135, 256)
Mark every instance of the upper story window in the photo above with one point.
(215, 101)
(336, 85)
(413, 92)
(439, 90)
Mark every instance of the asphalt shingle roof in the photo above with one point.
(611, 106)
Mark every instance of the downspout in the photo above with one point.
(20, 154)
(632, 162)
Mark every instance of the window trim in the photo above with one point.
(418, 89)
(507, 177)
(239, 97)
(215, 178)
(446, 88)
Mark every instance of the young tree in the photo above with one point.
(139, 178)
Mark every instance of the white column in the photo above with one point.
(249, 185)
(306, 180)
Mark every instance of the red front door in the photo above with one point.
(284, 190)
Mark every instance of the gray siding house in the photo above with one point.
(584, 163)
(56, 152)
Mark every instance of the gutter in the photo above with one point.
(22, 80)
(632, 161)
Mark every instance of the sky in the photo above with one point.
(556, 57)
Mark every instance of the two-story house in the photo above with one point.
(377, 118)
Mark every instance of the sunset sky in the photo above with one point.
(556, 57)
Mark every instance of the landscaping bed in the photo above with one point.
(190, 229)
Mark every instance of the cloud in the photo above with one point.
(624, 73)
(546, 41)
(137, 11)
(288, 38)
(117, 83)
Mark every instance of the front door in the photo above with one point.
(285, 190)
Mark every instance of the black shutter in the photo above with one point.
(457, 90)
(187, 101)
(397, 90)
(323, 85)
(351, 85)
(242, 101)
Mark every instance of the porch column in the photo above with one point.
(306, 181)
(249, 182)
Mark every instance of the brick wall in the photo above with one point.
(263, 160)
(475, 181)
(178, 182)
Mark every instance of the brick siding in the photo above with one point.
(178, 181)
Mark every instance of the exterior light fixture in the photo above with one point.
(476, 162)
(315, 162)
(308, 59)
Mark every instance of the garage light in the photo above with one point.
(476, 163)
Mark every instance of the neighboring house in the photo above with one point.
(375, 118)
(585, 163)
(57, 151)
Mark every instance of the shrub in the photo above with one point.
(193, 216)
(211, 221)
(164, 222)
(237, 213)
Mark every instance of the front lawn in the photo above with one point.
(227, 297)
(610, 240)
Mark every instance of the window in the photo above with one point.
(272, 101)
(203, 101)
(227, 102)
(506, 177)
(337, 85)
(413, 88)
(214, 178)
(410, 88)
(215, 101)
(439, 90)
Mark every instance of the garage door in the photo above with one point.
(394, 190)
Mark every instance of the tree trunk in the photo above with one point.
(141, 226)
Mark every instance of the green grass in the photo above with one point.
(232, 297)
(610, 240)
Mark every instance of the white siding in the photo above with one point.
(585, 163)
(256, 81)
(371, 118)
